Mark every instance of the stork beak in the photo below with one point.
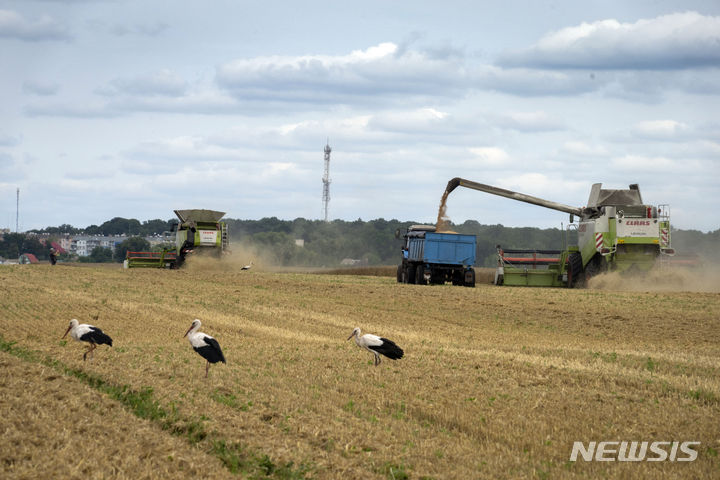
(351, 335)
(191, 327)
(66, 331)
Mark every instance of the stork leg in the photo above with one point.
(89, 350)
(207, 367)
(377, 359)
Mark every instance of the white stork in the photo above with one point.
(247, 267)
(87, 333)
(377, 345)
(205, 345)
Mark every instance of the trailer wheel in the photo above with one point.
(420, 275)
(575, 270)
(470, 277)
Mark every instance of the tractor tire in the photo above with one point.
(575, 270)
(469, 278)
(400, 274)
(420, 275)
(410, 274)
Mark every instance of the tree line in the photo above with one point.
(303, 242)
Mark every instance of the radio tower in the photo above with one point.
(326, 179)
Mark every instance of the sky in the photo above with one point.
(135, 108)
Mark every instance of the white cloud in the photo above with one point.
(674, 41)
(15, 26)
(660, 129)
(491, 156)
(413, 121)
(370, 74)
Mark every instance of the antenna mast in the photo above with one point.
(17, 212)
(326, 179)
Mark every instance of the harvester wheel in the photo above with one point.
(595, 266)
(575, 270)
(420, 275)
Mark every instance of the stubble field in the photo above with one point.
(496, 382)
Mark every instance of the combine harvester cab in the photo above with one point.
(436, 257)
(616, 232)
(199, 231)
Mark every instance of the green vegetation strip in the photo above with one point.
(236, 457)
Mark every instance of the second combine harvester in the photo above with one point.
(616, 231)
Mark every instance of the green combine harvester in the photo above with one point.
(616, 232)
(199, 232)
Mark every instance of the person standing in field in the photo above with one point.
(53, 256)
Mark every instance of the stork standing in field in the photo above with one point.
(247, 267)
(87, 333)
(205, 345)
(377, 345)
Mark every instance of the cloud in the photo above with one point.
(14, 26)
(426, 119)
(670, 42)
(527, 82)
(159, 83)
(149, 30)
(643, 163)
(373, 74)
(529, 122)
(582, 149)
(11, 169)
(661, 130)
(72, 110)
(186, 148)
(40, 87)
(7, 140)
(490, 156)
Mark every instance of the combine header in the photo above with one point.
(199, 231)
(616, 231)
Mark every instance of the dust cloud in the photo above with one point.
(674, 279)
(238, 257)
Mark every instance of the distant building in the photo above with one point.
(65, 243)
(83, 245)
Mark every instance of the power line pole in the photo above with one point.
(326, 179)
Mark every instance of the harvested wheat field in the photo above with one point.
(496, 382)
